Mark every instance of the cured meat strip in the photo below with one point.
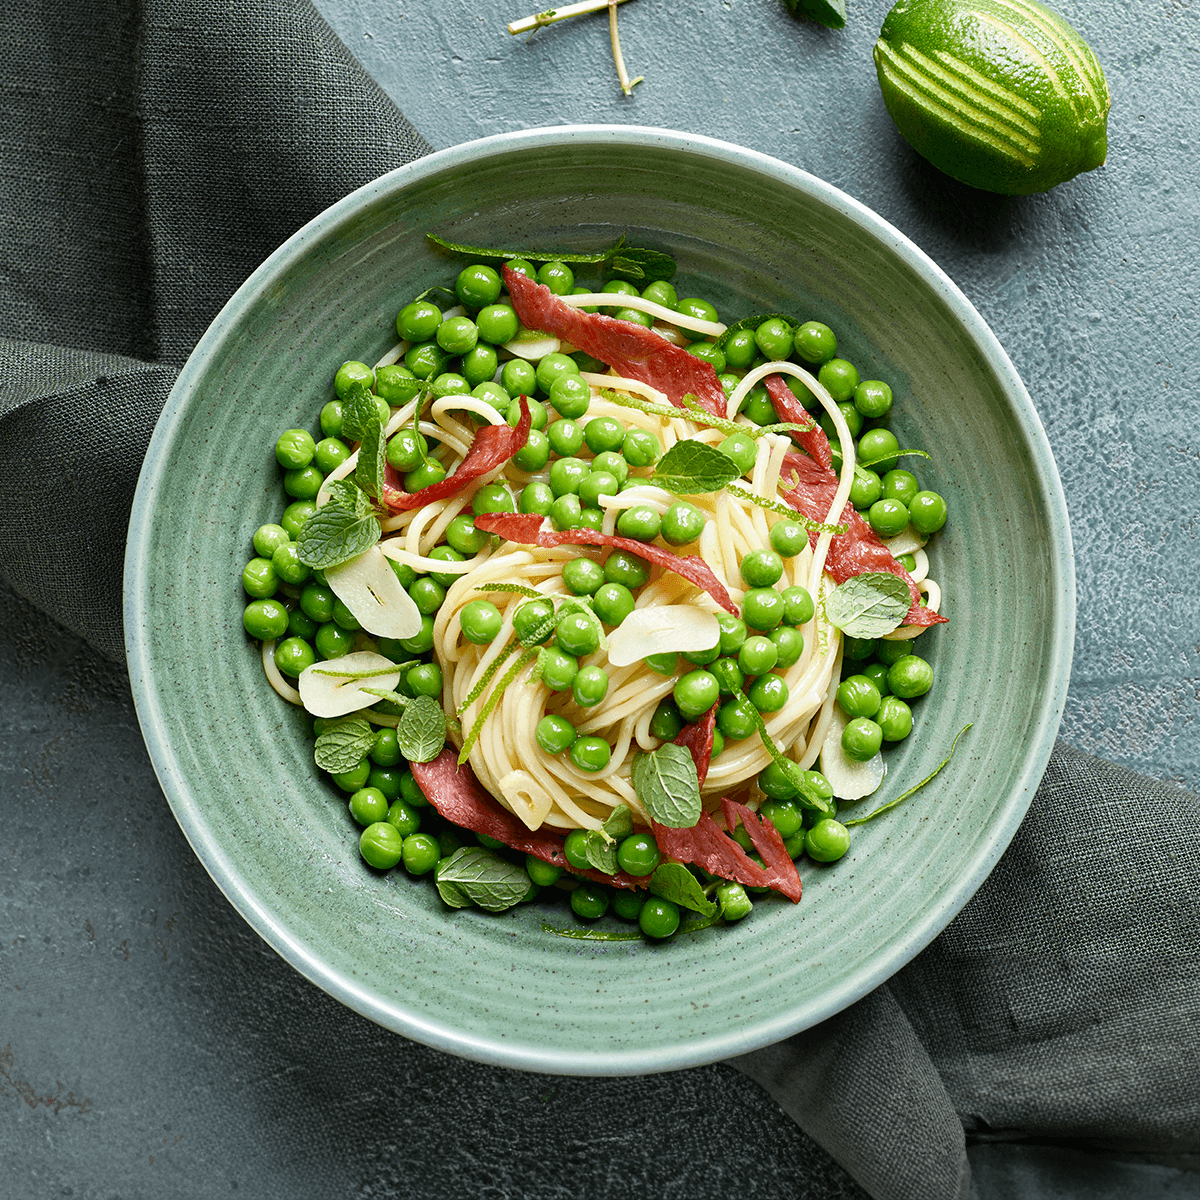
(697, 738)
(856, 551)
(459, 796)
(812, 438)
(706, 845)
(781, 871)
(630, 349)
(493, 446)
(526, 529)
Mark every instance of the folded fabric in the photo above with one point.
(173, 147)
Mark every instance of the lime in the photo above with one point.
(1002, 95)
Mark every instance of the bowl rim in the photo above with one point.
(155, 723)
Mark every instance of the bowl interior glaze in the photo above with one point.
(755, 235)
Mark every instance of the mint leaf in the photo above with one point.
(342, 745)
(673, 881)
(667, 785)
(335, 534)
(421, 732)
(690, 468)
(483, 877)
(600, 852)
(619, 823)
(359, 408)
(638, 265)
(830, 13)
(368, 471)
(868, 605)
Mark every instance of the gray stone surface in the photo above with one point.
(135, 1060)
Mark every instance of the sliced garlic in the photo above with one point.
(334, 687)
(661, 630)
(907, 541)
(368, 587)
(533, 346)
(850, 779)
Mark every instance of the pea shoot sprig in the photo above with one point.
(549, 16)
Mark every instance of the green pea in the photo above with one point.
(774, 338)
(381, 845)
(888, 517)
(406, 820)
(265, 619)
(478, 285)
(523, 267)
(638, 854)
(662, 664)
(259, 578)
(735, 719)
(576, 633)
(759, 407)
(590, 753)
(418, 321)
(626, 568)
(368, 805)
(451, 383)
(761, 569)
(293, 655)
(287, 564)
(406, 450)
(566, 474)
(762, 608)
(777, 782)
(332, 641)
(595, 485)
(733, 633)
(603, 433)
(570, 396)
(619, 287)
(387, 780)
(741, 349)
(535, 498)
(901, 485)
(858, 696)
(641, 448)
(709, 353)
(565, 512)
(889, 650)
(695, 693)
(542, 873)
(355, 778)
(294, 449)
(728, 674)
(768, 693)
(894, 719)
(301, 625)
(331, 452)
(857, 649)
(659, 918)
(425, 679)
(854, 423)
(785, 815)
(757, 655)
(661, 292)
(558, 669)
(421, 642)
(420, 853)
(535, 454)
(551, 366)
(445, 553)
(742, 448)
(393, 383)
(611, 602)
(705, 656)
(589, 901)
(667, 721)
(303, 483)
(386, 751)
(424, 475)
(554, 734)
(789, 645)
(877, 673)
(910, 676)
(268, 538)
(480, 621)
(861, 739)
(788, 538)
(733, 901)
(612, 462)
(331, 419)
(877, 448)
(537, 414)
(497, 324)
(695, 307)
(518, 377)
(866, 488)
(815, 342)
(827, 840)
(927, 512)
(682, 523)
(839, 378)
(557, 276)
(317, 602)
(565, 438)
(626, 904)
(640, 521)
(426, 594)
(590, 686)
(531, 617)
(873, 398)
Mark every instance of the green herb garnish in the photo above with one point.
(474, 875)
(341, 530)
(421, 733)
(635, 263)
(692, 468)
(673, 881)
(868, 605)
(667, 785)
(342, 745)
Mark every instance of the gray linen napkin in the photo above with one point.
(150, 157)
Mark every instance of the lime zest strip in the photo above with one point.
(915, 788)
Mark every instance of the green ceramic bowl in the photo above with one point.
(234, 760)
